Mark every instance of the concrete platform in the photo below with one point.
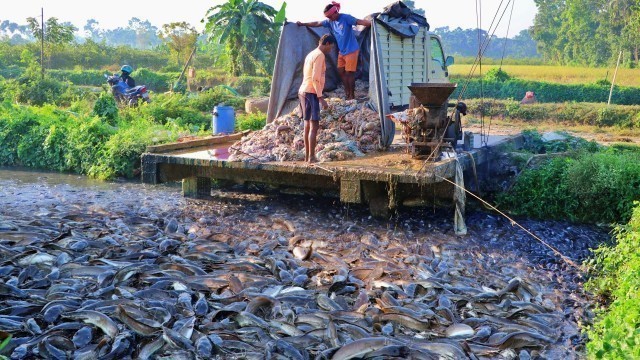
(391, 177)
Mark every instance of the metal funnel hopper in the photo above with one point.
(432, 94)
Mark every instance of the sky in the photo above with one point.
(116, 13)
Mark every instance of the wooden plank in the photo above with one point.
(212, 140)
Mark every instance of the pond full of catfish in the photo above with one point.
(121, 269)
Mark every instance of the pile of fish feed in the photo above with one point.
(347, 129)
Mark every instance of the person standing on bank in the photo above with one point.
(341, 27)
(310, 94)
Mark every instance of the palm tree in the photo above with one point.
(248, 28)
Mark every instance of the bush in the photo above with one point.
(11, 71)
(106, 108)
(84, 144)
(15, 121)
(588, 187)
(251, 121)
(37, 91)
(615, 334)
(547, 92)
(211, 78)
(207, 100)
(497, 75)
(172, 107)
(120, 154)
(569, 113)
(79, 77)
(155, 81)
(252, 85)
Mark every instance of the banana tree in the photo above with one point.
(250, 30)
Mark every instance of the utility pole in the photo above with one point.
(613, 81)
(42, 42)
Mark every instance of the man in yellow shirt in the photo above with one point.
(310, 94)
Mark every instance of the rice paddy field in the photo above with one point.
(558, 74)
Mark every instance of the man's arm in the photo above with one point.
(363, 22)
(318, 76)
(310, 24)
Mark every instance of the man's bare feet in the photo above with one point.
(313, 161)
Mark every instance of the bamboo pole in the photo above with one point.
(613, 81)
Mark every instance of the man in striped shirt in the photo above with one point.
(310, 94)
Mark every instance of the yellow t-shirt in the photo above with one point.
(313, 73)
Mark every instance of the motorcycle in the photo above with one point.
(124, 94)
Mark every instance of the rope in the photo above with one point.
(504, 47)
(481, 50)
(513, 222)
(479, 60)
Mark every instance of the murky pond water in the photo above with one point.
(123, 270)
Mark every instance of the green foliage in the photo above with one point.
(153, 80)
(95, 138)
(38, 91)
(180, 38)
(171, 107)
(595, 187)
(603, 82)
(588, 32)
(496, 75)
(249, 31)
(251, 121)
(11, 71)
(106, 107)
(548, 92)
(207, 100)
(84, 144)
(211, 78)
(79, 77)
(15, 121)
(120, 154)
(252, 85)
(569, 113)
(615, 334)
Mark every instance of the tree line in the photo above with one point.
(588, 32)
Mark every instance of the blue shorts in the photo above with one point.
(309, 106)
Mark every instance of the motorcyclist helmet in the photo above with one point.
(126, 68)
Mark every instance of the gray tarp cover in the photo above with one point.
(297, 41)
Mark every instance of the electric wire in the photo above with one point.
(481, 52)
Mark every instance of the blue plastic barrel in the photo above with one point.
(224, 120)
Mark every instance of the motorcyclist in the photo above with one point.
(126, 75)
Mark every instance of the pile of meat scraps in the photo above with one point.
(347, 129)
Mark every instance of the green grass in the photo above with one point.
(615, 334)
(555, 74)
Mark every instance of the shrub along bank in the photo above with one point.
(88, 133)
(588, 185)
(571, 113)
(615, 334)
(545, 91)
